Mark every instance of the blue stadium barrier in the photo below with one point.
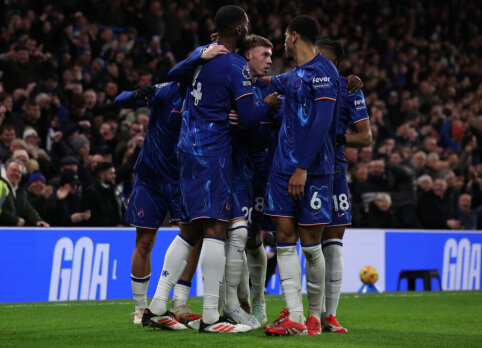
(58, 264)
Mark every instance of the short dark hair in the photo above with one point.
(306, 26)
(102, 167)
(335, 47)
(229, 16)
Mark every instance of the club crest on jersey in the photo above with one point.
(297, 83)
(246, 72)
(141, 214)
(227, 206)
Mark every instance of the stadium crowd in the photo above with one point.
(63, 144)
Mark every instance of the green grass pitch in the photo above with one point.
(416, 319)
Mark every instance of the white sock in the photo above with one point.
(236, 243)
(290, 278)
(174, 263)
(212, 262)
(243, 287)
(332, 249)
(315, 278)
(257, 270)
(181, 293)
(139, 291)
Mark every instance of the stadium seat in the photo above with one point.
(425, 274)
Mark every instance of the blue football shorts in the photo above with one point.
(341, 200)
(315, 208)
(150, 200)
(206, 188)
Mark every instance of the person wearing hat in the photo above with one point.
(67, 162)
(70, 210)
(100, 197)
(40, 196)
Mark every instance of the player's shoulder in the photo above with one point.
(319, 72)
(166, 87)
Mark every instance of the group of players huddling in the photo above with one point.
(231, 152)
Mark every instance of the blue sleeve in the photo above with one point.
(239, 79)
(249, 114)
(280, 82)
(184, 70)
(357, 106)
(313, 134)
(164, 92)
(125, 100)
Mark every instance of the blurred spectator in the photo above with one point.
(70, 210)
(100, 197)
(469, 218)
(435, 208)
(7, 134)
(41, 196)
(380, 214)
(16, 210)
(66, 163)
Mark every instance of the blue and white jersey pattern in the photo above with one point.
(306, 140)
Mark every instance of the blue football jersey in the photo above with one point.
(264, 136)
(352, 110)
(159, 151)
(216, 85)
(307, 137)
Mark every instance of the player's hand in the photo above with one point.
(20, 222)
(144, 93)
(353, 83)
(214, 36)
(233, 117)
(296, 185)
(214, 50)
(273, 101)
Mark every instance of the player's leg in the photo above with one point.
(257, 263)
(175, 261)
(183, 286)
(141, 270)
(315, 274)
(315, 211)
(332, 251)
(283, 214)
(145, 211)
(243, 288)
(290, 278)
(236, 242)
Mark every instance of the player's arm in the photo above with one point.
(309, 141)
(250, 114)
(133, 99)
(278, 82)
(359, 116)
(184, 70)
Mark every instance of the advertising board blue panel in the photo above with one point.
(73, 264)
(456, 256)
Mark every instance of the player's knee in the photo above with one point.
(312, 253)
(238, 234)
(144, 247)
